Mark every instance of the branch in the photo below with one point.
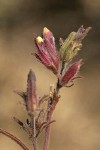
(49, 118)
(15, 139)
(47, 131)
(34, 139)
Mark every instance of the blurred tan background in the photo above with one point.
(77, 115)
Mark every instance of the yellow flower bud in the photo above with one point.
(39, 39)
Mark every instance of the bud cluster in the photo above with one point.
(56, 60)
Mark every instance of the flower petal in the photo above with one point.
(50, 45)
(71, 73)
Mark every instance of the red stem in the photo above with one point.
(50, 112)
(15, 139)
(47, 131)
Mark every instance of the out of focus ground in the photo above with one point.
(77, 115)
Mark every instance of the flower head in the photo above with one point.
(47, 52)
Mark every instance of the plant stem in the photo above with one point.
(15, 139)
(62, 67)
(50, 111)
(49, 117)
(33, 120)
(47, 131)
